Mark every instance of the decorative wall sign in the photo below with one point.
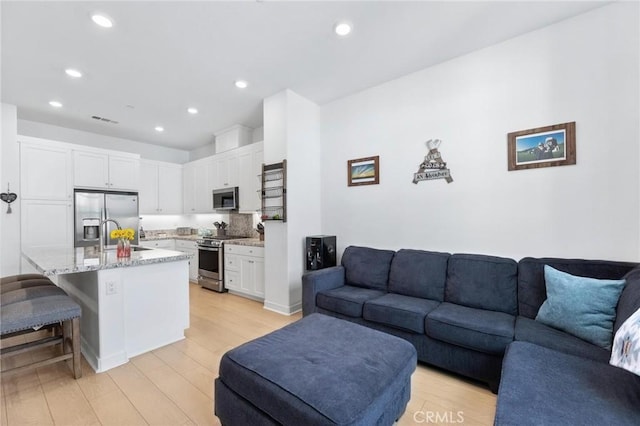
(8, 197)
(542, 147)
(363, 171)
(433, 167)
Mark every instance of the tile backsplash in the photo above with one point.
(239, 224)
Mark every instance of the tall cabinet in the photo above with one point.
(46, 176)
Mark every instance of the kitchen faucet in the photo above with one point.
(103, 240)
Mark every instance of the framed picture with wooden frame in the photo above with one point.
(363, 171)
(542, 147)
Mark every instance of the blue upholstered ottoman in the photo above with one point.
(317, 371)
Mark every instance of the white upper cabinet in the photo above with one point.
(237, 167)
(90, 169)
(148, 194)
(188, 186)
(170, 188)
(197, 186)
(160, 187)
(104, 170)
(124, 172)
(226, 166)
(46, 171)
(204, 198)
(250, 160)
(232, 138)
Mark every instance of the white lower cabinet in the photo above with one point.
(192, 248)
(167, 244)
(244, 270)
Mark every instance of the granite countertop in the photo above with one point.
(168, 236)
(52, 261)
(253, 242)
(249, 241)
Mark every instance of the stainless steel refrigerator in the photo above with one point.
(92, 207)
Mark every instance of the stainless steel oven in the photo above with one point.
(211, 264)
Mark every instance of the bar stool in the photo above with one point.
(34, 303)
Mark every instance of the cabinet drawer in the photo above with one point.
(231, 262)
(183, 244)
(244, 250)
(232, 280)
(161, 244)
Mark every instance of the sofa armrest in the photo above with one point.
(314, 282)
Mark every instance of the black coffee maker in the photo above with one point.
(320, 252)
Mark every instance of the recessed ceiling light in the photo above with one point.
(343, 29)
(73, 73)
(102, 20)
(241, 84)
(159, 129)
(55, 104)
(192, 110)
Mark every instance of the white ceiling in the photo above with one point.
(164, 56)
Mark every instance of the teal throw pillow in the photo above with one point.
(583, 307)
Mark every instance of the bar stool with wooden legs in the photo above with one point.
(33, 304)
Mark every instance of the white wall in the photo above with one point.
(63, 134)
(10, 173)
(202, 152)
(584, 69)
(291, 132)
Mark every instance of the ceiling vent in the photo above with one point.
(106, 120)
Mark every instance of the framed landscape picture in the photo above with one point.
(363, 171)
(542, 147)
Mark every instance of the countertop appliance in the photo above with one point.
(321, 252)
(211, 262)
(93, 207)
(225, 199)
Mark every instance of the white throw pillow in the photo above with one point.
(626, 345)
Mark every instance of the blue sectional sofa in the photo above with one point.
(462, 311)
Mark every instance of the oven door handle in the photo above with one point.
(209, 249)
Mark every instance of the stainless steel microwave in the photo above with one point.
(225, 199)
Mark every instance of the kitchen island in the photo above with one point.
(129, 306)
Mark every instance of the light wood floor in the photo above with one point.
(173, 385)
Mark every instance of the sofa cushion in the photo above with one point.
(484, 282)
(584, 307)
(541, 386)
(626, 345)
(346, 300)
(399, 311)
(367, 267)
(419, 273)
(477, 329)
(629, 299)
(531, 287)
(532, 331)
